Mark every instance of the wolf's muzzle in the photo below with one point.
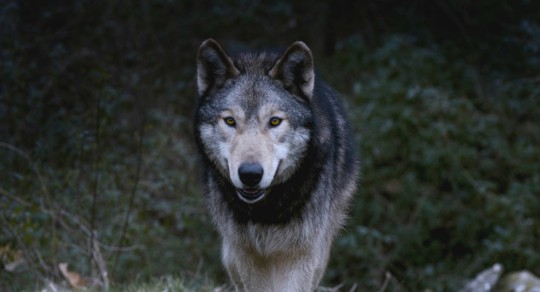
(250, 174)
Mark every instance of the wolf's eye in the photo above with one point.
(275, 121)
(230, 121)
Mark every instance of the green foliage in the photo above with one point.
(450, 174)
(169, 283)
(96, 101)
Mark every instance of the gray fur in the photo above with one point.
(279, 166)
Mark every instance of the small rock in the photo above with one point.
(523, 281)
(485, 281)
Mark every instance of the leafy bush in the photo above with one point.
(448, 186)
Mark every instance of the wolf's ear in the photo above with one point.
(295, 69)
(214, 67)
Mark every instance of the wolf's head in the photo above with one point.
(254, 118)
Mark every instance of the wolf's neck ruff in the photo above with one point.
(279, 165)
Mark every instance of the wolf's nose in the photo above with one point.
(250, 173)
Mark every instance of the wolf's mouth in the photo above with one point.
(251, 195)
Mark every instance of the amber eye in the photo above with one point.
(230, 121)
(275, 121)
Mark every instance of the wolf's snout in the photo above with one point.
(250, 174)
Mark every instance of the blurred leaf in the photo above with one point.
(74, 279)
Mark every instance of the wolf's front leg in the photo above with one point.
(232, 263)
(287, 272)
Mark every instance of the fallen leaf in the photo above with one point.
(11, 259)
(74, 279)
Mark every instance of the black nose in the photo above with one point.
(250, 173)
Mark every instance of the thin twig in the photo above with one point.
(32, 166)
(100, 262)
(353, 288)
(132, 195)
(15, 198)
(330, 289)
(93, 212)
(388, 277)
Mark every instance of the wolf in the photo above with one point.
(279, 166)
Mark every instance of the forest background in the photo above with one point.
(98, 168)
